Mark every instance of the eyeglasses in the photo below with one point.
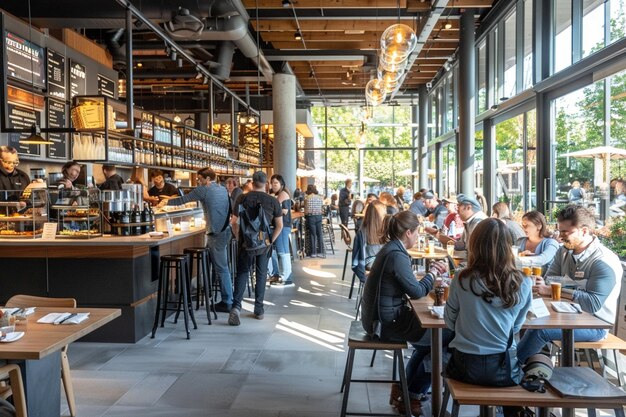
(564, 233)
(14, 163)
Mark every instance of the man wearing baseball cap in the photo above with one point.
(471, 213)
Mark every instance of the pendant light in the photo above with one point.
(35, 137)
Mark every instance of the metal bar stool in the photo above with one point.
(204, 279)
(180, 264)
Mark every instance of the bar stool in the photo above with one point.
(180, 264)
(204, 279)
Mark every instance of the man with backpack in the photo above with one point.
(252, 217)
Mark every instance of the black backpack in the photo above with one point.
(255, 230)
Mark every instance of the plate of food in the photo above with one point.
(11, 337)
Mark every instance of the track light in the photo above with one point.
(139, 64)
(179, 62)
(311, 74)
(198, 75)
(447, 25)
(206, 80)
(286, 3)
(173, 55)
(297, 36)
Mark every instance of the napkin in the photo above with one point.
(565, 307)
(25, 311)
(66, 318)
(438, 311)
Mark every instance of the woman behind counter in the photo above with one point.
(71, 171)
(486, 307)
(391, 277)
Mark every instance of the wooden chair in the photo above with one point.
(347, 239)
(16, 389)
(25, 301)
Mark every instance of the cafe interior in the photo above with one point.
(463, 103)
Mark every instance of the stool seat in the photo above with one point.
(194, 250)
(173, 258)
(204, 278)
(359, 339)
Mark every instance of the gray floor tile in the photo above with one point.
(148, 391)
(203, 391)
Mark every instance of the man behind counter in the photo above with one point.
(113, 180)
(11, 178)
(160, 188)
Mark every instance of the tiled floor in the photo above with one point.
(289, 364)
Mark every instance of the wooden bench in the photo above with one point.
(359, 340)
(485, 397)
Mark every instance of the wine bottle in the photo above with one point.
(125, 223)
(145, 218)
(136, 219)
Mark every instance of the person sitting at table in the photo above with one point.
(388, 200)
(486, 307)
(576, 195)
(594, 279)
(390, 279)
(369, 239)
(537, 248)
(501, 211)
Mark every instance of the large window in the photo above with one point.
(593, 26)
(448, 172)
(562, 10)
(617, 19)
(482, 77)
(450, 105)
(528, 45)
(510, 63)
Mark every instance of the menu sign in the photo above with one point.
(56, 75)
(78, 79)
(22, 118)
(106, 86)
(56, 119)
(25, 60)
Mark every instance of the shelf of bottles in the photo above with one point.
(204, 150)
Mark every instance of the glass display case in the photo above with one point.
(78, 212)
(23, 213)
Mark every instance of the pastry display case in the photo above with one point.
(23, 213)
(78, 212)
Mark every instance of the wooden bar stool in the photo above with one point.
(359, 340)
(180, 265)
(204, 279)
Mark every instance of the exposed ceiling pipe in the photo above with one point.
(182, 52)
(430, 22)
(224, 60)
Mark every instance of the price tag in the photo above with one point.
(49, 231)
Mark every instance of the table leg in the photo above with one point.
(437, 365)
(567, 358)
(42, 384)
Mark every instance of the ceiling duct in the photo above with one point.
(184, 25)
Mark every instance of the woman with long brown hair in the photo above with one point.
(487, 306)
(537, 248)
(369, 239)
(389, 201)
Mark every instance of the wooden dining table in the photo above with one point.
(38, 353)
(567, 322)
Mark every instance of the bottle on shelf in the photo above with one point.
(136, 219)
(124, 228)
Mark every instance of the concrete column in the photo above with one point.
(467, 72)
(415, 141)
(422, 151)
(201, 121)
(284, 107)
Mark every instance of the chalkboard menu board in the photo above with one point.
(56, 75)
(78, 79)
(22, 118)
(56, 119)
(106, 86)
(25, 60)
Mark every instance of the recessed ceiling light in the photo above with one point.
(447, 25)
(286, 3)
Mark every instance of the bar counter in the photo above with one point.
(107, 272)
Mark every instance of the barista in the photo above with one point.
(161, 190)
(113, 180)
(71, 171)
(11, 178)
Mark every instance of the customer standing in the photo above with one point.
(313, 203)
(280, 191)
(234, 191)
(274, 216)
(390, 280)
(217, 209)
(595, 278)
(486, 307)
(345, 201)
(11, 178)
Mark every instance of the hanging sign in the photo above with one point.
(106, 86)
(25, 60)
(78, 79)
(56, 75)
(56, 116)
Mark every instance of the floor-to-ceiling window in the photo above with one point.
(562, 29)
(510, 56)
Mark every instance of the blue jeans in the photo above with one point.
(417, 374)
(314, 227)
(218, 253)
(282, 241)
(244, 262)
(533, 340)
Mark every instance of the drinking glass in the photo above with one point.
(450, 248)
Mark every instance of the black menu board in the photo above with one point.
(56, 75)
(106, 86)
(56, 119)
(25, 60)
(22, 118)
(78, 79)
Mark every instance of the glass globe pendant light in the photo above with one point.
(399, 38)
(375, 92)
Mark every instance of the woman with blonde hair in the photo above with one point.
(369, 238)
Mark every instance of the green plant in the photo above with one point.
(613, 235)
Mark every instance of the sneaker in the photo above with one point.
(233, 317)
(274, 279)
(288, 283)
(222, 307)
(259, 316)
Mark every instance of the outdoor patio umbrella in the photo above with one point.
(606, 153)
(368, 179)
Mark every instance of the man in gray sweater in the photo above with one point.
(592, 278)
(216, 206)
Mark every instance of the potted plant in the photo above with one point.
(613, 235)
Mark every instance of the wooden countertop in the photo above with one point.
(42, 339)
(142, 240)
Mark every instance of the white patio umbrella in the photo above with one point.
(368, 179)
(606, 153)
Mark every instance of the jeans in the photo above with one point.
(314, 226)
(344, 214)
(487, 370)
(534, 340)
(244, 263)
(418, 375)
(282, 241)
(218, 245)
